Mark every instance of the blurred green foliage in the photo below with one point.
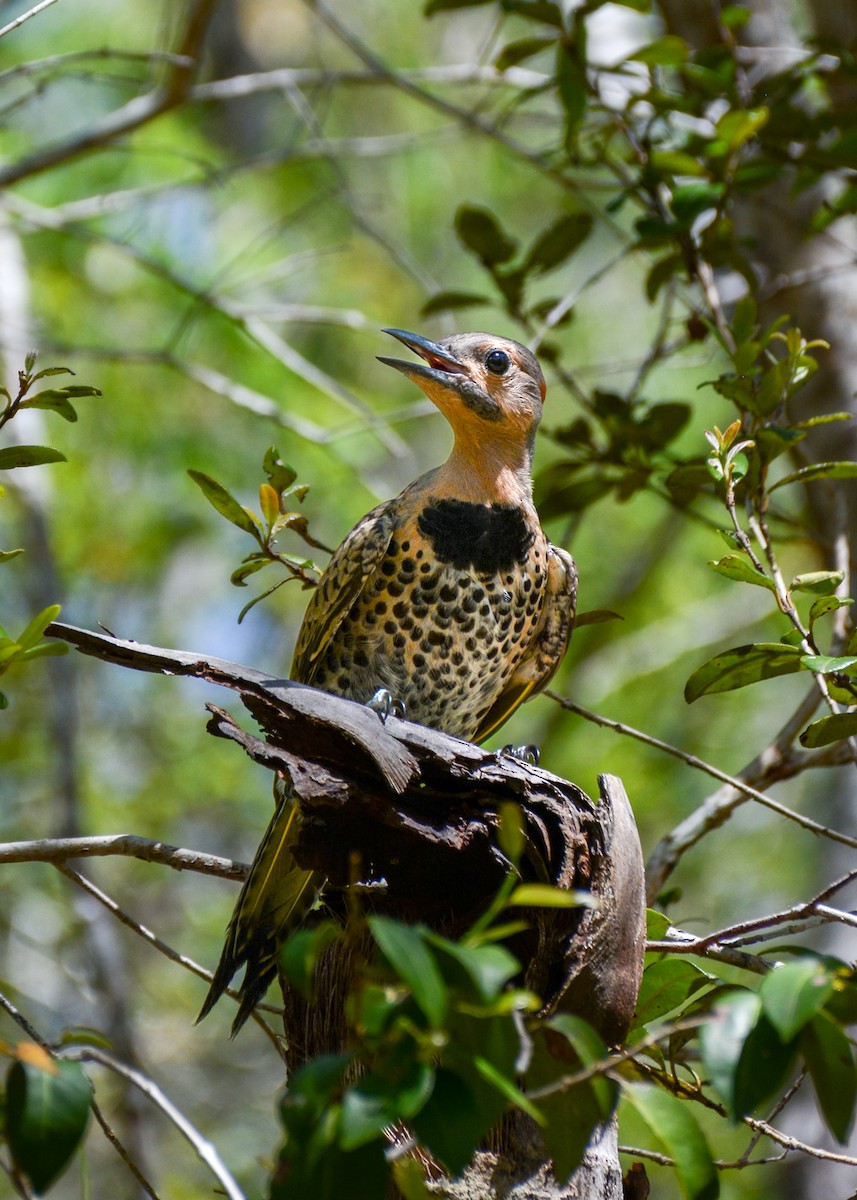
(598, 180)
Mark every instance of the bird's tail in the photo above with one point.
(276, 896)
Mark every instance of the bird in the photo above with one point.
(446, 604)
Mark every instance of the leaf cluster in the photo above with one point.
(28, 644)
(277, 515)
(443, 1043)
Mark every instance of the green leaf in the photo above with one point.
(450, 1125)
(247, 568)
(6, 555)
(516, 52)
(375, 1102)
(793, 993)
(667, 51)
(830, 1061)
(507, 1087)
(734, 567)
(742, 666)
(819, 583)
(543, 895)
(667, 984)
(34, 630)
(225, 503)
(657, 924)
(46, 650)
(829, 470)
(448, 301)
(674, 1125)
(54, 401)
(481, 232)
(826, 664)
(676, 162)
(46, 1116)
(48, 371)
(434, 6)
(280, 475)
(28, 456)
(827, 604)
(559, 242)
(404, 947)
(564, 1045)
(742, 1052)
(829, 729)
(571, 85)
(489, 968)
(596, 616)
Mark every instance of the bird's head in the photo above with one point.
(490, 389)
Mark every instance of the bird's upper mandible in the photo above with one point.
(478, 381)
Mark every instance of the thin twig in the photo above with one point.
(20, 1020)
(117, 1145)
(19, 21)
(204, 1149)
(163, 948)
(750, 793)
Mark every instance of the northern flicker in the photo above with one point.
(449, 599)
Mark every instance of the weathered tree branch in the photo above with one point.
(415, 812)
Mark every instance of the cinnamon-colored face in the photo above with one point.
(489, 386)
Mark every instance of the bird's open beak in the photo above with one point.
(439, 363)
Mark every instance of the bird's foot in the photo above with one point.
(385, 704)
(526, 754)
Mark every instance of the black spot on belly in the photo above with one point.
(485, 537)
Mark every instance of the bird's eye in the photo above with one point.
(497, 361)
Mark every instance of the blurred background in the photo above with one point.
(222, 272)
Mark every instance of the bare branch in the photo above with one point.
(778, 765)
(204, 1149)
(173, 955)
(34, 12)
(114, 1141)
(136, 113)
(129, 845)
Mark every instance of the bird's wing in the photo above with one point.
(546, 648)
(346, 575)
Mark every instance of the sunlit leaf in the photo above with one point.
(742, 666)
(829, 470)
(542, 895)
(741, 569)
(826, 730)
(819, 583)
(225, 503)
(793, 993)
(28, 456)
(666, 985)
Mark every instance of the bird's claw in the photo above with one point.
(386, 705)
(526, 754)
